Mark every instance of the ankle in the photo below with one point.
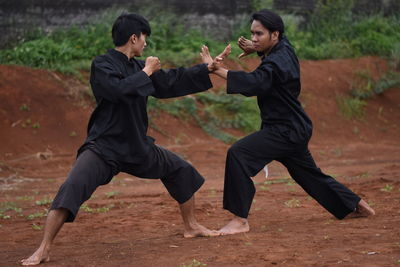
(45, 246)
(240, 220)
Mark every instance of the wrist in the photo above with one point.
(147, 71)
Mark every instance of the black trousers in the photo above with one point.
(90, 171)
(249, 155)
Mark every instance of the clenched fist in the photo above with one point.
(152, 65)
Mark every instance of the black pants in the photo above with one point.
(90, 171)
(249, 155)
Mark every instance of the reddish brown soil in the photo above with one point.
(143, 227)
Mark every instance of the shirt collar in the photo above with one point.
(121, 56)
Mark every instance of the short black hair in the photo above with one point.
(270, 20)
(126, 25)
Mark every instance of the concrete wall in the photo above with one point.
(18, 17)
(215, 17)
(365, 7)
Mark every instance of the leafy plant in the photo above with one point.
(293, 203)
(193, 263)
(24, 107)
(103, 209)
(112, 194)
(36, 215)
(44, 201)
(37, 227)
(387, 188)
(351, 107)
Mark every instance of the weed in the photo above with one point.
(264, 188)
(104, 209)
(9, 206)
(37, 227)
(25, 198)
(193, 263)
(112, 194)
(213, 192)
(364, 86)
(387, 188)
(293, 203)
(36, 125)
(73, 134)
(278, 181)
(36, 215)
(43, 202)
(351, 107)
(24, 107)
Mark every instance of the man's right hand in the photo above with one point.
(246, 45)
(152, 65)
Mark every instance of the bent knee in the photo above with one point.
(235, 150)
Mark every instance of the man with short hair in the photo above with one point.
(117, 140)
(285, 132)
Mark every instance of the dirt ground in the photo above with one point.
(134, 222)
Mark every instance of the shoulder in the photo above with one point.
(102, 58)
(282, 57)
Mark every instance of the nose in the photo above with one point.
(253, 38)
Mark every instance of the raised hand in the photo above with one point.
(205, 55)
(214, 64)
(246, 45)
(225, 53)
(152, 65)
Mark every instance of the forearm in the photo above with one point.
(221, 72)
(181, 81)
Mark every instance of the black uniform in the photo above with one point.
(285, 132)
(117, 132)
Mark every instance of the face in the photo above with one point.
(139, 43)
(262, 39)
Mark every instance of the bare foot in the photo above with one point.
(235, 226)
(362, 210)
(39, 256)
(197, 230)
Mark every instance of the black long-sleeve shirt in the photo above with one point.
(276, 83)
(118, 125)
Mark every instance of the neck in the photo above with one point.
(124, 50)
(266, 52)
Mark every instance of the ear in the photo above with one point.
(275, 35)
(134, 38)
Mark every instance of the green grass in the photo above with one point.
(350, 107)
(7, 207)
(213, 112)
(43, 202)
(193, 263)
(103, 209)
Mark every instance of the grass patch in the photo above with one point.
(36, 215)
(112, 194)
(6, 207)
(193, 263)
(37, 227)
(43, 202)
(213, 112)
(365, 87)
(293, 203)
(350, 107)
(387, 188)
(104, 209)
